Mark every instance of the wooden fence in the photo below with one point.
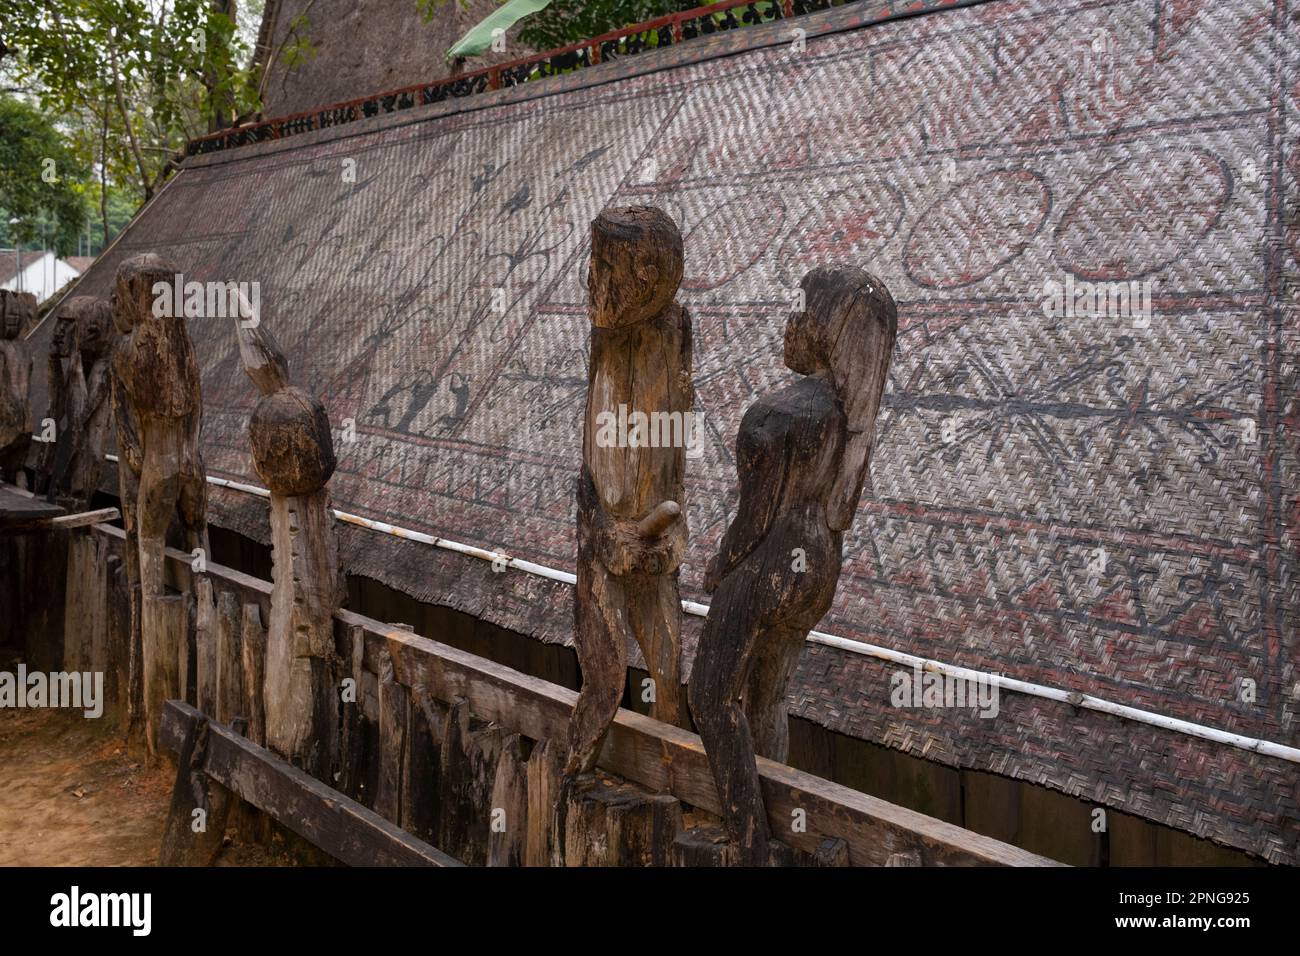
(434, 739)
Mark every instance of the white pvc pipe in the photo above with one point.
(1074, 698)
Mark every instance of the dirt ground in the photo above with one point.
(72, 793)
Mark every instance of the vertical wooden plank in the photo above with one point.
(98, 632)
(205, 646)
(352, 752)
(186, 664)
(230, 667)
(508, 816)
(419, 800)
(466, 773)
(44, 563)
(252, 665)
(117, 635)
(166, 623)
(392, 742)
(79, 603)
(544, 765)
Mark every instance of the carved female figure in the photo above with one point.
(803, 453)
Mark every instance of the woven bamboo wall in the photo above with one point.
(1103, 504)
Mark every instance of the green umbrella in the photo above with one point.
(479, 38)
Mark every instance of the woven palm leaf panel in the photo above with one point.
(1105, 504)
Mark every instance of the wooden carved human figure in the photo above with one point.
(15, 389)
(631, 524)
(159, 377)
(130, 463)
(803, 453)
(87, 404)
(294, 455)
(63, 347)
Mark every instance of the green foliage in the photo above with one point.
(298, 47)
(131, 79)
(39, 179)
(480, 36)
(564, 22)
(570, 21)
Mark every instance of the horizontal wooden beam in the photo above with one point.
(83, 518)
(316, 812)
(662, 757)
(671, 760)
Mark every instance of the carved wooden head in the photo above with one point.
(64, 342)
(86, 326)
(636, 265)
(293, 450)
(846, 333)
(10, 318)
(17, 310)
(133, 289)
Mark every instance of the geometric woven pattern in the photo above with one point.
(1104, 503)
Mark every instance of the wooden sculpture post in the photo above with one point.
(631, 524)
(803, 453)
(130, 463)
(15, 389)
(86, 401)
(159, 377)
(294, 455)
(63, 347)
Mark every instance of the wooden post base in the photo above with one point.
(707, 845)
(611, 823)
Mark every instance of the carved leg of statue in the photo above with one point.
(157, 505)
(12, 463)
(719, 679)
(765, 693)
(160, 663)
(129, 491)
(655, 609)
(192, 506)
(600, 641)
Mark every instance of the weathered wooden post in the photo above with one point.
(631, 523)
(803, 453)
(63, 346)
(294, 455)
(159, 376)
(130, 462)
(86, 401)
(15, 389)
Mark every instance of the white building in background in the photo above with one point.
(42, 274)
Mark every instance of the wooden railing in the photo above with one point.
(654, 755)
(215, 764)
(652, 34)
